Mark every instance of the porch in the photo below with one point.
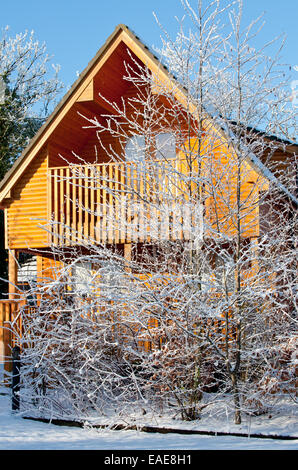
(10, 328)
(11, 331)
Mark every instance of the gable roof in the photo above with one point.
(121, 33)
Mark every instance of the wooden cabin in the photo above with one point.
(48, 182)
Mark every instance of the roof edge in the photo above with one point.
(58, 108)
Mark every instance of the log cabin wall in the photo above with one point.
(223, 176)
(28, 207)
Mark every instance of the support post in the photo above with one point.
(12, 273)
(7, 340)
(16, 365)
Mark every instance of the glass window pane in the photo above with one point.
(165, 145)
(82, 278)
(135, 148)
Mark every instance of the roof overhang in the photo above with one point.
(75, 94)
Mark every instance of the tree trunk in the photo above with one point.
(237, 415)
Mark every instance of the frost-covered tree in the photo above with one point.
(245, 92)
(205, 305)
(29, 87)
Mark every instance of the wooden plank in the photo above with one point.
(147, 203)
(167, 195)
(128, 205)
(67, 203)
(80, 204)
(175, 204)
(86, 203)
(153, 199)
(122, 197)
(159, 202)
(2, 313)
(87, 93)
(61, 205)
(55, 200)
(6, 228)
(110, 221)
(135, 209)
(7, 340)
(140, 170)
(49, 205)
(12, 273)
(104, 183)
(116, 197)
(74, 207)
(92, 203)
(128, 255)
(98, 204)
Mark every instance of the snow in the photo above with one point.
(17, 433)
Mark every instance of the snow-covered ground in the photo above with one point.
(17, 433)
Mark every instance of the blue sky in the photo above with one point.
(74, 30)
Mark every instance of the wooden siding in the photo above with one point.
(224, 176)
(28, 208)
(48, 269)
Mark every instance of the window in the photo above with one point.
(82, 278)
(164, 143)
(225, 273)
(135, 148)
(165, 146)
(112, 281)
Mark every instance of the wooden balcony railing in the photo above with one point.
(10, 328)
(122, 203)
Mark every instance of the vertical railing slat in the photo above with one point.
(110, 204)
(67, 197)
(92, 204)
(80, 205)
(74, 208)
(56, 207)
(86, 203)
(122, 197)
(62, 205)
(98, 193)
(104, 203)
(116, 203)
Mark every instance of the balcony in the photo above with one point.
(123, 202)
